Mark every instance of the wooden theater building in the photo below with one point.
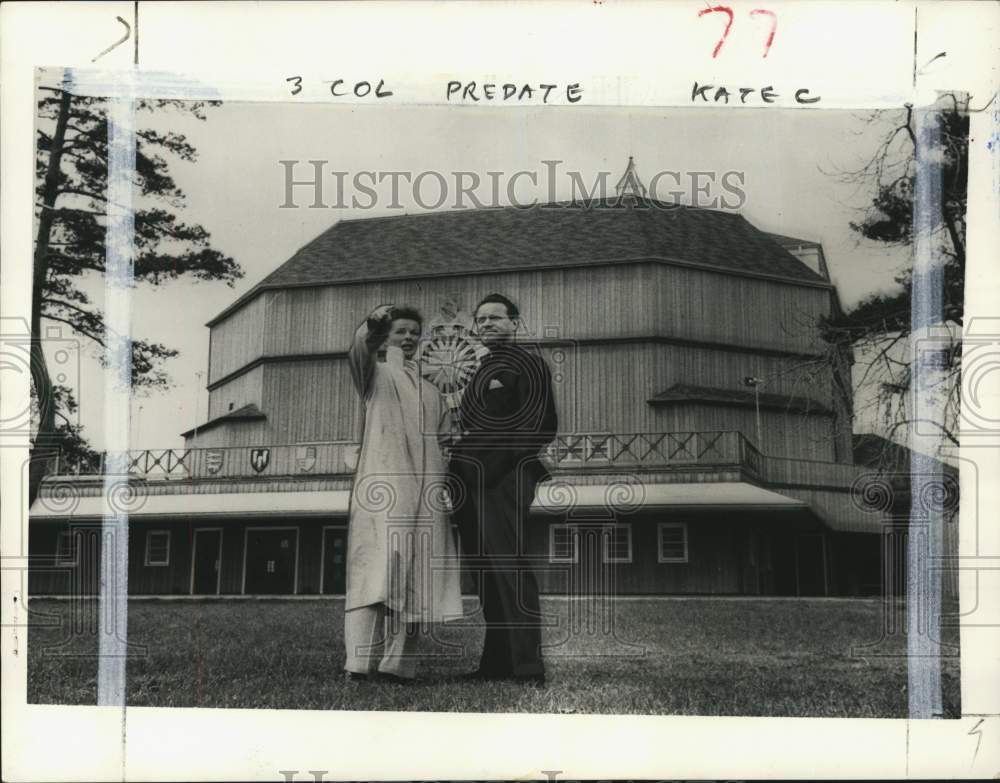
(705, 441)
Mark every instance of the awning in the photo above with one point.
(626, 498)
(242, 504)
(551, 498)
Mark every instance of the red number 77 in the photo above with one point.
(725, 9)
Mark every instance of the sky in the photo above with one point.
(235, 188)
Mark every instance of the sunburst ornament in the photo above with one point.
(451, 355)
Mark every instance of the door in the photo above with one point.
(798, 561)
(783, 566)
(334, 560)
(810, 564)
(752, 567)
(207, 562)
(270, 561)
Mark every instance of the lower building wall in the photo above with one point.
(624, 556)
(640, 554)
(858, 560)
(185, 557)
(76, 568)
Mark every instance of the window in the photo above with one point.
(673, 542)
(66, 548)
(563, 544)
(618, 544)
(158, 548)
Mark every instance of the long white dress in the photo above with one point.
(400, 548)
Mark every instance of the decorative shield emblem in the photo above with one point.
(259, 459)
(305, 458)
(351, 454)
(214, 460)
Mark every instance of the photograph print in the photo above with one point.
(555, 409)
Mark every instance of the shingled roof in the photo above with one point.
(559, 234)
(682, 393)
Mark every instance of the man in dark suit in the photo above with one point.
(507, 415)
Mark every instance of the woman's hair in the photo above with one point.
(405, 311)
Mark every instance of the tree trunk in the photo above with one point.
(46, 445)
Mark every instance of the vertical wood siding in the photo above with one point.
(171, 579)
(311, 401)
(718, 555)
(620, 301)
(238, 340)
(714, 566)
(241, 390)
(310, 549)
(231, 582)
(598, 388)
(739, 311)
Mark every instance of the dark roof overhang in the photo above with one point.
(684, 393)
(247, 413)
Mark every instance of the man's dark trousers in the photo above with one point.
(508, 415)
(493, 528)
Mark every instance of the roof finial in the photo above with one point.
(630, 188)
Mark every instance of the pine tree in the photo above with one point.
(70, 210)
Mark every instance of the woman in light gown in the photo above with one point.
(402, 567)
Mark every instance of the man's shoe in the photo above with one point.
(355, 677)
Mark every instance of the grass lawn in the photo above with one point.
(698, 656)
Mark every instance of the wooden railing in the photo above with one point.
(332, 458)
(230, 462)
(571, 451)
(647, 449)
(750, 457)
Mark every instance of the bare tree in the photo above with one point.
(878, 330)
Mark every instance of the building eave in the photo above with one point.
(681, 394)
(245, 414)
(665, 260)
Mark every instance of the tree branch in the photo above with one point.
(73, 191)
(77, 210)
(74, 327)
(61, 303)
